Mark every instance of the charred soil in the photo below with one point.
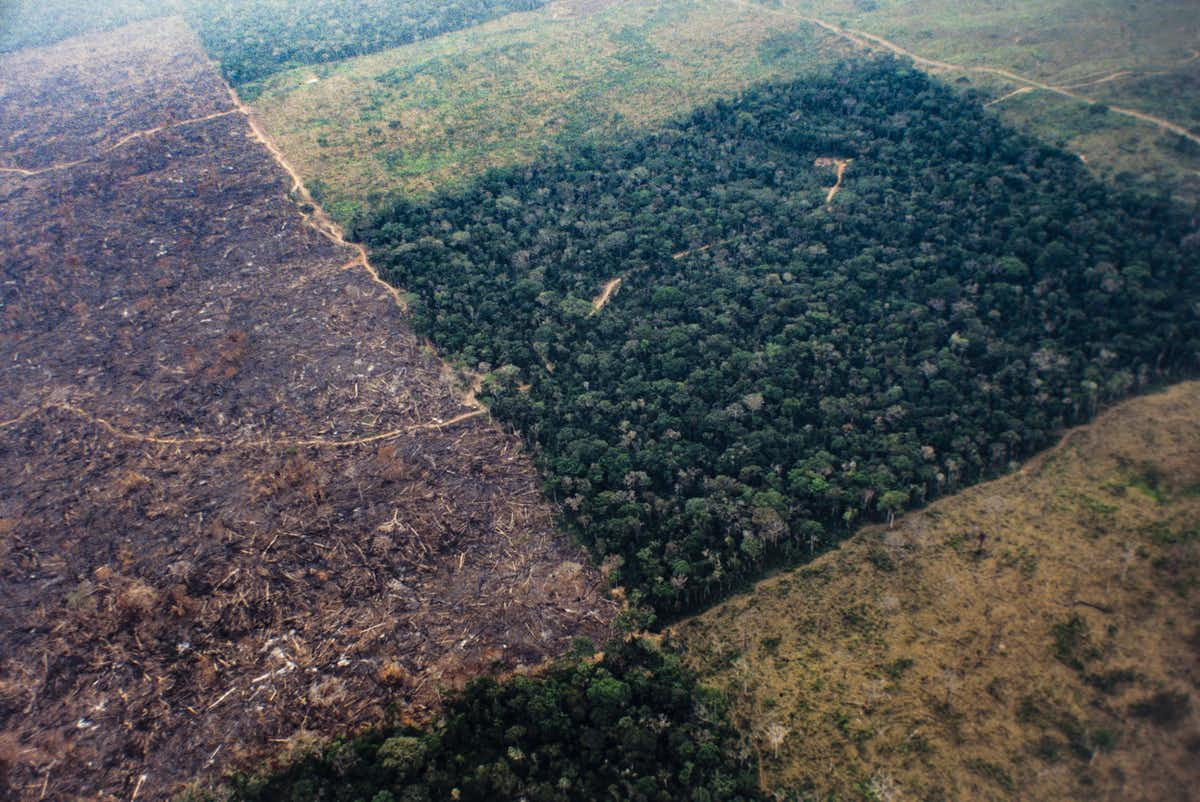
(242, 504)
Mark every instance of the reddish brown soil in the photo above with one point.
(240, 502)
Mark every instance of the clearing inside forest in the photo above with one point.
(606, 294)
(244, 505)
(839, 166)
(1033, 637)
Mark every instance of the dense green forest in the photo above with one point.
(255, 38)
(630, 727)
(775, 368)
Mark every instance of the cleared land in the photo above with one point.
(243, 504)
(1031, 638)
(437, 112)
(442, 111)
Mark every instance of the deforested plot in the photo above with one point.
(66, 103)
(242, 503)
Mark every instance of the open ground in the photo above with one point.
(244, 504)
(419, 117)
(416, 118)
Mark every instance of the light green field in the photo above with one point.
(441, 111)
(444, 110)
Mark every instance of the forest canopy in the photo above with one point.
(776, 366)
(630, 725)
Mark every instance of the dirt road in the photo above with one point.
(840, 166)
(606, 294)
(872, 41)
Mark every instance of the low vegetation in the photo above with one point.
(572, 73)
(1142, 56)
(779, 365)
(418, 118)
(1034, 637)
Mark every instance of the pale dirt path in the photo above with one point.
(1022, 91)
(690, 251)
(266, 442)
(840, 165)
(869, 40)
(319, 220)
(606, 294)
(125, 140)
(1115, 76)
(1119, 74)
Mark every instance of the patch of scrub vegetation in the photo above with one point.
(1125, 152)
(777, 366)
(1176, 89)
(443, 111)
(629, 724)
(255, 38)
(989, 683)
(576, 80)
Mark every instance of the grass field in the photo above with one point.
(1032, 638)
(444, 110)
(1143, 56)
(418, 117)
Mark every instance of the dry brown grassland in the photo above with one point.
(1034, 638)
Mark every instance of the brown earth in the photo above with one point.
(1032, 638)
(606, 294)
(242, 504)
(840, 166)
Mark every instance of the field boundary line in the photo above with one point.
(125, 140)
(221, 442)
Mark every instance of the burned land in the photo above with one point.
(243, 505)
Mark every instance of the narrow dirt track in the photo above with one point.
(1121, 74)
(207, 440)
(871, 41)
(606, 294)
(841, 165)
(1024, 90)
(868, 40)
(125, 140)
